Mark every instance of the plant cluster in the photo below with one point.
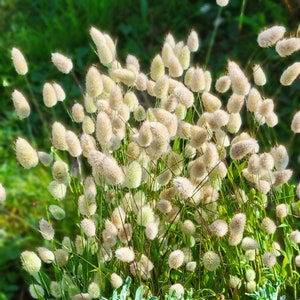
(172, 184)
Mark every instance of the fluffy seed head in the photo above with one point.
(281, 210)
(116, 280)
(282, 177)
(21, 105)
(161, 87)
(61, 257)
(237, 223)
(62, 63)
(31, 263)
(133, 175)
(88, 226)
(60, 171)
(295, 125)
(286, 47)
(103, 129)
(222, 3)
(175, 68)
(235, 238)
(157, 68)
(125, 76)
(259, 75)
(295, 236)
(145, 216)
(74, 147)
(223, 84)
(112, 172)
(234, 123)
(164, 206)
(125, 254)
(59, 136)
(26, 154)
(297, 261)
(249, 244)
(254, 100)
(178, 289)
(59, 91)
(268, 259)
(184, 96)
(183, 187)
(197, 79)
(49, 95)
(239, 81)
(290, 74)
(176, 259)
(46, 255)
(193, 41)
(219, 228)
(270, 36)
(46, 230)
(184, 57)
(268, 225)
(19, 61)
(93, 82)
(56, 212)
(211, 261)
(36, 291)
(241, 148)
(151, 231)
(280, 156)
(210, 102)
(188, 227)
(57, 190)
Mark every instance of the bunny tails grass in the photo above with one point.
(195, 182)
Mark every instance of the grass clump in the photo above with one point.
(189, 196)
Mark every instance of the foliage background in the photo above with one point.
(39, 28)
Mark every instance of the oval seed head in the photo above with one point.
(234, 123)
(61, 257)
(59, 136)
(223, 84)
(112, 172)
(281, 210)
(179, 290)
(57, 212)
(87, 143)
(161, 87)
(176, 259)
(93, 82)
(295, 236)
(26, 154)
(268, 225)
(290, 74)
(46, 230)
(60, 171)
(219, 228)
(222, 3)
(235, 238)
(133, 175)
(31, 263)
(145, 216)
(188, 227)
(280, 156)
(46, 255)
(286, 47)
(88, 227)
(295, 125)
(116, 280)
(125, 233)
(237, 223)
(235, 103)
(125, 254)
(62, 63)
(208, 80)
(115, 98)
(210, 102)
(197, 81)
(157, 68)
(184, 57)
(21, 105)
(272, 119)
(36, 291)
(105, 53)
(131, 100)
(184, 96)
(57, 190)
(239, 82)
(259, 75)
(193, 41)
(19, 61)
(49, 95)
(59, 91)
(175, 68)
(282, 177)
(268, 259)
(249, 244)
(78, 112)
(254, 100)
(151, 231)
(118, 217)
(74, 147)
(88, 126)
(141, 82)
(131, 60)
(94, 290)
(266, 107)
(266, 161)
(103, 129)
(297, 260)
(270, 36)
(183, 187)
(211, 261)
(241, 148)
(125, 76)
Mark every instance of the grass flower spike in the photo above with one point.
(19, 61)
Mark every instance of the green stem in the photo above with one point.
(242, 15)
(213, 37)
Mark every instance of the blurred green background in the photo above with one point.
(40, 27)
